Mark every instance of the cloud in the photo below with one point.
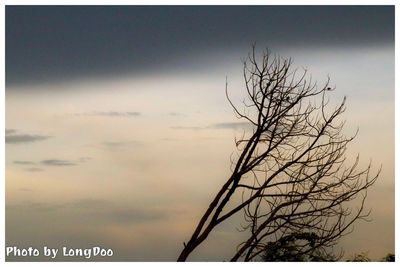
(34, 169)
(187, 128)
(232, 125)
(13, 138)
(122, 144)
(23, 162)
(111, 114)
(51, 162)
(10, 131)
(212, 29)
(136, 215)
(24, 138)
(106, 210)
(85, 204)
(99, 210)
(35, 206)
(90, 203)
(24, 189)
(84, 159)
(175, 114)
(168, 139)
(58, 162)
(218, 126)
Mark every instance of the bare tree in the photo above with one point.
(290, 170)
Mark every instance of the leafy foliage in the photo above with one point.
(296, 247)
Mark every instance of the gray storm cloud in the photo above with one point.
(119, 36)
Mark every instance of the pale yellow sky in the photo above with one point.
(132, 163)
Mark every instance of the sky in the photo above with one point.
(118, 132)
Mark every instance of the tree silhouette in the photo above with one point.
(291, 170)
(297, 247)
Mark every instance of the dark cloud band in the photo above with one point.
(65, 42)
